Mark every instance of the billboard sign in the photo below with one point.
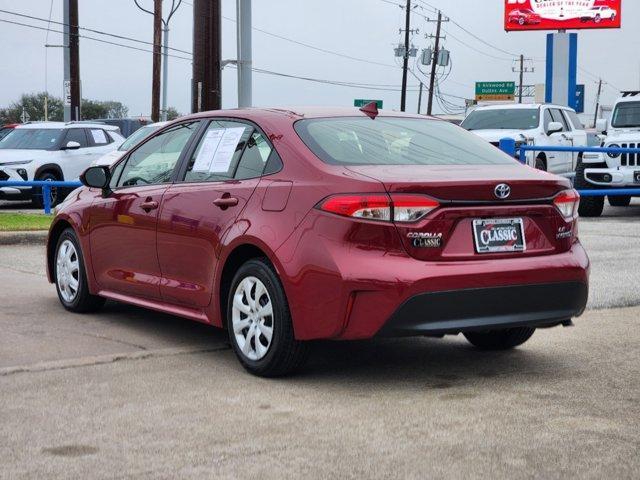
(522, 15)
(495, 91)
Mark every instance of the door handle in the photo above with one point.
(225, 202)
(149, 205)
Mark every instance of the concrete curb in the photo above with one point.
(38, 237)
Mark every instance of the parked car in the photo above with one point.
(51, 151)
(614, 170)
(532, 124)
(135, 138)
(524, 16)
(6, 129)
(597, 14)
(289, 226)
(127, 126)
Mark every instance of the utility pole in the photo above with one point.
(521, 71)
(165, 50)
(71, 61)
(595, 116)
(405, 64)
(434, 64)
(420, 98)
(206, 91)
(244, 53)
(157, 60)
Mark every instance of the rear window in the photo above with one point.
(395, 141)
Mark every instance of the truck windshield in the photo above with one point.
(31, 139)
(503, 119)
(626, 115)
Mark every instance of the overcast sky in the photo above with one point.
(366, 29)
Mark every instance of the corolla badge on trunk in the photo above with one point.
(425, 240)
(502, 191)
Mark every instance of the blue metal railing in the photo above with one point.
(508, 145)
(46, 187)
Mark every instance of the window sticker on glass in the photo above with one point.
(99, 137)
(209, 147)
(226, 149)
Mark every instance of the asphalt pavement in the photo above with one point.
(128, 393)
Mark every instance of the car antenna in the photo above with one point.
(370, 110)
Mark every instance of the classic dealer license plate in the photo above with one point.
(498, 235)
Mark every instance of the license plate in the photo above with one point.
(499, 235)
(636, 176)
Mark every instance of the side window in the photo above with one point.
(254, 158)
(99, 137)
(575, 120)
(76, 135)
(547, 119)
(217, 156)
(558, 117)
(155, 160)
(274, 164)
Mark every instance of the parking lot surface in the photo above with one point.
(128, 393)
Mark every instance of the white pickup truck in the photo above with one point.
(533, 124)
(613, 170)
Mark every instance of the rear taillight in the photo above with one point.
(399, 208)
(567, 203)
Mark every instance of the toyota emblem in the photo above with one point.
(502, 191)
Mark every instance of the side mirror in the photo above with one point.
(97, 177)
(554, 127)
(602, 125)
(71, 146)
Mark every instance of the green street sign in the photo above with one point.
(495, 90)
(361, 102)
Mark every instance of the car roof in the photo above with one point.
(517, 106)
(63, 125)
(297, 113)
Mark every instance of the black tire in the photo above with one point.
(598, 19)
(500, 339)
(285, 354)
(37, 199)
(589, 206)
(540, 164)
(619, 201)
(83, 302)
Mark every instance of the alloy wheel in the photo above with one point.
(68, 271)
(252, 318)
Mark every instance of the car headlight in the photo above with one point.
(21, 162)
(613, 155)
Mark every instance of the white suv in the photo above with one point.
(533, 124)
(613, 170)
(51, 151)
(597, 14)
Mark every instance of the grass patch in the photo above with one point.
(20, 222)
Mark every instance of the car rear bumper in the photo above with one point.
(456, 311)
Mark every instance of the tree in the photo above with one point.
(33, 104)
(172, 113)
(93, 109)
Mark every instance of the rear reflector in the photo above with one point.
(567, 203)
(400, 208)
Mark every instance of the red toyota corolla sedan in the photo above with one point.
(285, 226)
(524, 16)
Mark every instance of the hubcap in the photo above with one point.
(252, 318)
(68, 271)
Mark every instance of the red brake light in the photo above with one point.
(567, 203)
(411, 208)
(399, 208)
(368, 207)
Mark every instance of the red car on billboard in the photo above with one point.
(561, 14)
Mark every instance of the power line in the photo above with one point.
(99, 32)
(89, 38)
